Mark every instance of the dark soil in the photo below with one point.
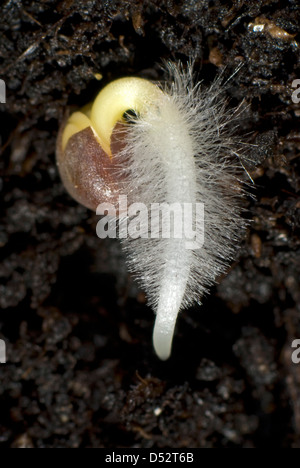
(81, 371)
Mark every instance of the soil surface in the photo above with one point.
(80, 369)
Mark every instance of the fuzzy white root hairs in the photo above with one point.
(181, 151)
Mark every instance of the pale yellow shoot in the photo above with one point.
(77, 122)
(115, 99)
(112, 102)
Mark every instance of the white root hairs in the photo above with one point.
(182, 151)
